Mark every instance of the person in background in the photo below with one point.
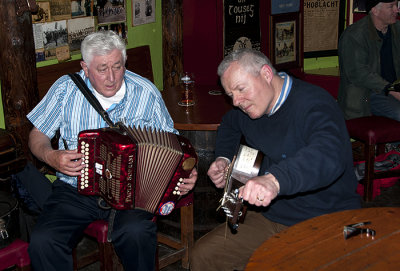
(127, 97)
(369, 61)
(307, 168)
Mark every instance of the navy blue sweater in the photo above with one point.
(306, 147)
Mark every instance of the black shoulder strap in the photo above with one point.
(91, 98)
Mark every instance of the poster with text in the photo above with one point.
(321, 25)
(241, 25)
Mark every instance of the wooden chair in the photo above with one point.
(372, 133)
(15, 254)
(109, 260)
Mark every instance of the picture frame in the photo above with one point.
(60, 9)
(143, 12)
(111, 12)
(43, 14)
(285, 42)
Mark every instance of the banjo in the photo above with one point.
(244, 166)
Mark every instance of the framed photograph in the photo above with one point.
(43, 14)
(285, 41)
(55, 34)
(77, 8)
(60, 9)
(143, 12)
(111, 11)
(78, 29)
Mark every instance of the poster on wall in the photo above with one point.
(111, 11)
(143, 12)
(241, 25)
(285, 42)
(323, 24)
(43, 14)
(54, 35)
(78, 29)
(60, 9)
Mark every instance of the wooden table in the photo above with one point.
(319, 244)
(205, 115)
(199, 123)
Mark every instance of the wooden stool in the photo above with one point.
(109, 260)
(371, 132)
(15, 254)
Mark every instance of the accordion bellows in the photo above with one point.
(135, 168)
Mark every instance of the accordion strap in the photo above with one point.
(91, 98)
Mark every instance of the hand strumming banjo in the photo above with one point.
(244, 166)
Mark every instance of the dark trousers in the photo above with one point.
(65, 216)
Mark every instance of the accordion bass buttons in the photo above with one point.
(189, 163)
(176, 191)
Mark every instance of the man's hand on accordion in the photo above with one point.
(68, 162)
(188, 183)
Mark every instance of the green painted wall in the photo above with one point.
(2, 123)
(320, 63)
(148, 34)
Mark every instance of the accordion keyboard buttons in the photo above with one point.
(85, 170)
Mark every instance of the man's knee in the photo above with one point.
(40, 240)
(202, 255)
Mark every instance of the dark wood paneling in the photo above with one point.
(17, 69)
(172, 41)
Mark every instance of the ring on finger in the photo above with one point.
(259, 199)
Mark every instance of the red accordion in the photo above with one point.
(135, 168)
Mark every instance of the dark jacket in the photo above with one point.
(359, 62)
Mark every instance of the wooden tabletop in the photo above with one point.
(319, 244)
(205, 115)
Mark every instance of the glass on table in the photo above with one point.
(186, 88)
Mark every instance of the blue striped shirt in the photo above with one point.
(64, 107)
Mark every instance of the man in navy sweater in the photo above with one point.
(307, 168)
